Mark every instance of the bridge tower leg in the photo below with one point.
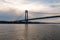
(26, 16)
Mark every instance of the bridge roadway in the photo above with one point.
(58, 16)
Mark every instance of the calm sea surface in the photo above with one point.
(30, 32)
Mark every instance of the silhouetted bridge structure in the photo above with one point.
(42, 18)
(27, 21)
(24, 20)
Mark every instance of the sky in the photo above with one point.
(14, 9)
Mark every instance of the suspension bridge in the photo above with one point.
(27, 20)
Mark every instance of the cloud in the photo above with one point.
(35, 6)
(13, 9)
(31, 5)
(47, 1)
(10, 15)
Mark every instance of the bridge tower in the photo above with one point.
(26, 16)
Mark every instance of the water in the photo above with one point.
(30, 32)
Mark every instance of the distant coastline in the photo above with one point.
(20, 22)
(27, 21)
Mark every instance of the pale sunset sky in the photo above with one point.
(14, 9)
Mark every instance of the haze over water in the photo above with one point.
(30, 32)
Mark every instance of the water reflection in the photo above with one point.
(30, 32)
(7, 32)
(26, 32)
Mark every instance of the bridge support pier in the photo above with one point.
(26, 16)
